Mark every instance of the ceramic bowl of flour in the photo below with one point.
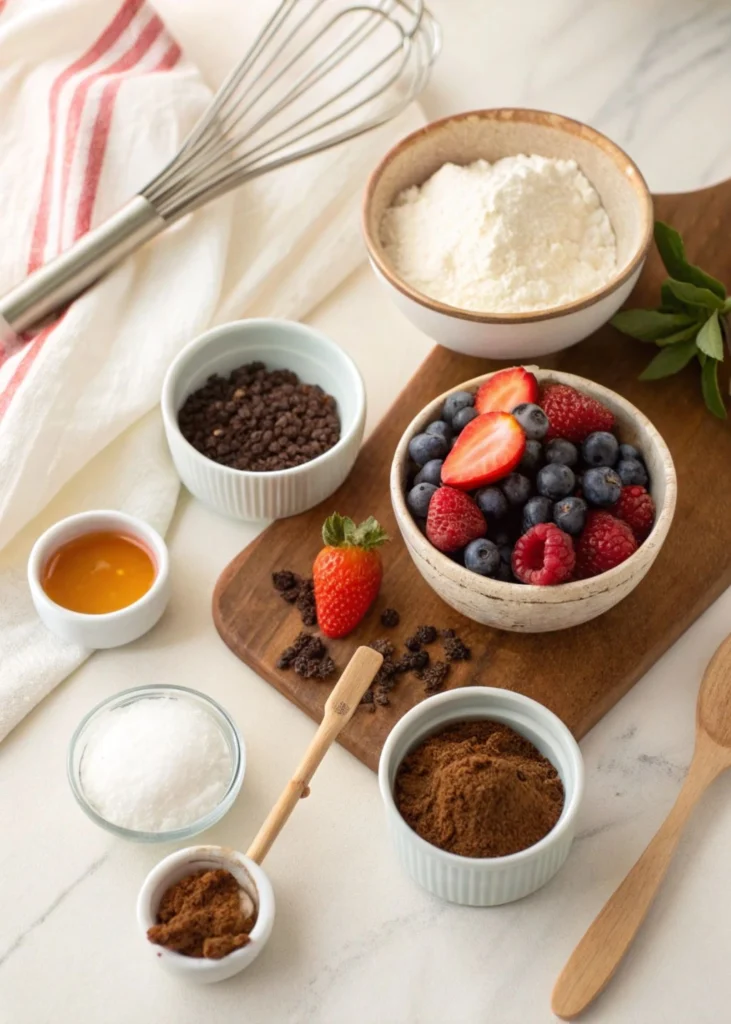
(512, 261)
(517, 607)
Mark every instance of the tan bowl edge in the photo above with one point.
(541, 117)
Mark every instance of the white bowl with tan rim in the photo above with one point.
(532, 609)
(491, 135)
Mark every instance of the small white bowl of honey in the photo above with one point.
(99, 579)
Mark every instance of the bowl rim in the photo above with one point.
(527, 594)
(250, 326)
(52, 539)
(224, 721)
(524, 114)
(489, 694)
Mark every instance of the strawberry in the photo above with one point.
(506, 389)
(347, 573)
(489, 447)
(605, 542)
(544, 556)
(572, 415)
(636, 508)
(453, 520)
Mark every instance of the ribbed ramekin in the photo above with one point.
(279, 344)
(475, 881)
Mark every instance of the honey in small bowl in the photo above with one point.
(98, 573)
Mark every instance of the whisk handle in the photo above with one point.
(54, 285)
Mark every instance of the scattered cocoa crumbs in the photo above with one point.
(206, 914)
(294, 589)
(384, 647)
(455, 649)
(306, 603)
(308, 656)
(424, 635)
(412, 661)
(390, 618)
(434, 676)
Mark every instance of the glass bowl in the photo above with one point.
(236, 747)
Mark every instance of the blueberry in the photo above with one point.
(425, 447)
(516, 488)
(561, 451)
(532, 457)
(502, 539)
(505, 573)
(456, 401)
(632, 471)
(628, 451)
(462, 417)
(430, 473)
(492, 502)
(602, 486)
(555, 481)
(537, 510)
(441, 429)
(418, 499)
(570, 515)
(506, 553)
(482, 556)
(532, 419)
(600, 449)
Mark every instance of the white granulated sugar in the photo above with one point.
(155, 765)
(525, 233)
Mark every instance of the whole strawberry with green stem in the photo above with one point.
(347, 573)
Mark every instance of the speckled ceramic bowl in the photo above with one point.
(491, 135)
(529, 609)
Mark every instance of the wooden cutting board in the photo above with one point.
(579, 673)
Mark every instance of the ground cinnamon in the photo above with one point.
(206, 914)
(479, 789)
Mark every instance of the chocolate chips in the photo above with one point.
(260, 420)
(390, 618)
(435, 676)
(295, 590)
(455, 649)
(308, 656)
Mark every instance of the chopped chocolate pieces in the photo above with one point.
(308, 656)
(293, 589)
(368, 699)
(390, 618)
(434, 676)
(426, 634)
(381, 698)
(412, 661)
(384, 647)
(455, 649)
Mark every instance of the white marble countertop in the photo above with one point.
(355, 941)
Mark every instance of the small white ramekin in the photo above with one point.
(200, 858)
(113, 628)
(483, 882)
(279, 344)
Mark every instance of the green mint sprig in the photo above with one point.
(689, 323)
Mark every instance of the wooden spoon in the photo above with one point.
(339, 709)
(597, 956)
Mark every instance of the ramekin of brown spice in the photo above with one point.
(205, 943)
(277, 406)
(479, 815)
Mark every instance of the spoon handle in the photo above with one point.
(608, 938)
(339, 709)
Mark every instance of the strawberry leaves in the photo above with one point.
(690, 322)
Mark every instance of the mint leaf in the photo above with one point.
(685, 335)
(727, 306)
(669, 360)
(692, 295)
(672, 252)
(670, 303)
(649, 324)
(711, 390)
(710, 339)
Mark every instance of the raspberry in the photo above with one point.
(544, 556)
(573, 416)
(453, 520)
(636, 508)
(605, 542)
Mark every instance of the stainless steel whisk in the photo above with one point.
(319, 73)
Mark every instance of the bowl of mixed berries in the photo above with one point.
(532, 500)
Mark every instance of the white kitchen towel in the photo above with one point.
(95, 96)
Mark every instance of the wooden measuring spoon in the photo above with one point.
(339, 709)
(599, 953)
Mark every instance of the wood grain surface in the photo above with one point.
(579, 673)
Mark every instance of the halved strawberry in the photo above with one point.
(489, 447)
(504, 390)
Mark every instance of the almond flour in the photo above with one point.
(523, 234)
